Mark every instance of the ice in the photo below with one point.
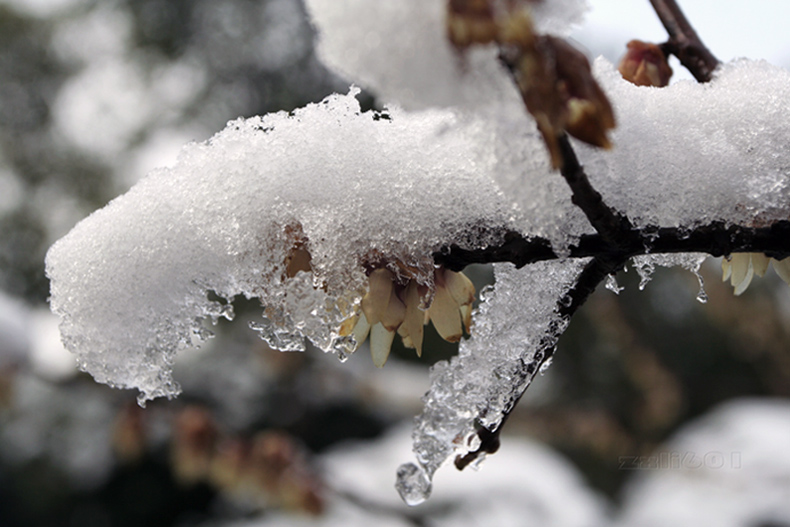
(514, 328)
(413, 484)
(130, 282)
(612, 285)
(645, 266)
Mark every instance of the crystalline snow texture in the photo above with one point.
(683, 154)
(495, 365)
(130, 281)
(693, 153)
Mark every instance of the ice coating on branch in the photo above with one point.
(515, 325)
(398, 49)
(645, 265)
(130, 282)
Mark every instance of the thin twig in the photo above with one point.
(613, 227)
(593, 274)
(684, 42)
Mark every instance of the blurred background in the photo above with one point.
(658, 409)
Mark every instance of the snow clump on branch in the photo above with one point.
(361, 192)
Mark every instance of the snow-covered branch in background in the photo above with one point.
(300, 209)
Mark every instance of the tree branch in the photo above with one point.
(684, 42)
(613, 227)
(616, 239)
(593, 274)
(715, 239)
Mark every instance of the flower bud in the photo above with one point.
(644, 64)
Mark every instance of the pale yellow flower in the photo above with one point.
(396, 303)
(740, 268)
(391, 306)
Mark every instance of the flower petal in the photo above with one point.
(742, 272)
(361, 330)
(782, 268)
(380, 344)
(461, 288)
(726, 268)
(413, 324)
(445, 315)
(393, 316)
(760, 263)
(376, 301)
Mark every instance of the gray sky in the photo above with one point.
(755, 29)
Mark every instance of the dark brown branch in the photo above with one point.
(684, 42)
(613, 227)
(715, 239)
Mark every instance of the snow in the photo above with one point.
(223, 218)
(131, 282)
(727, 135)
(526, 485)
(729, 468)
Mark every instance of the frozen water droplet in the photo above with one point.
(612, 285)
(645, 267)
(702, 296)
(486, 293)
(473, 441)
(413, 484)
(545, 365)
(227, 312)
